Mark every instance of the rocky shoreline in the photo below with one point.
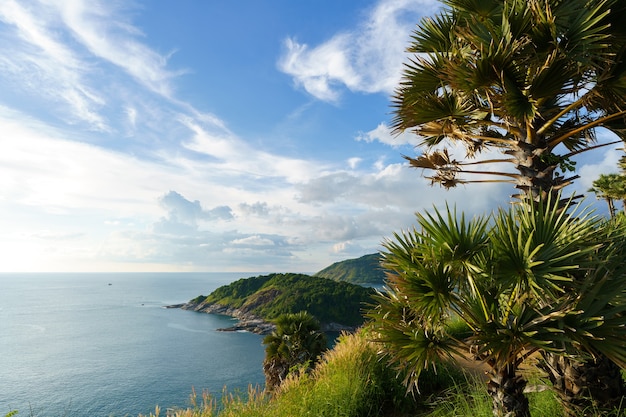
(246, 321)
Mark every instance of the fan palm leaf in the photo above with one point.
(539, 73)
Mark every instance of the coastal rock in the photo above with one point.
(246, 321)
(175, 306)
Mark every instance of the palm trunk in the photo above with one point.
(275, 370)
(585, 388)
(536, 177)
(506, 389)
(611, 205)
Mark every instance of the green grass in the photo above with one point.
(349, 381)
(352, 381)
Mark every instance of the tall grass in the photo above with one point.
(351, 380)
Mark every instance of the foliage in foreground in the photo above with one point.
(534, 79)
(537, 279)
(350, 380)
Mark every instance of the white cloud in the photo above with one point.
(382, 133)
(55, 174)
(353, 163)
(589, 169)
(38, 59)
(183, 214)
(131, 113)
(319, 69)
(348, 249)
(256, 209)
(183, 191)
(87, 62)
(255, 240)
(105, 32)
(236, 157)
(367, 59)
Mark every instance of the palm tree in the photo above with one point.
(607, 187)
(611, 187)
(297, 340)
(533, 78)
(525, 282)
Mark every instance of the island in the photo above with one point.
(257, 301)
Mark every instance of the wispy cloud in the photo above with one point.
(88, 60)
(366, 59)
(235, 156)
(382, 133)
(102, 27)
(37, 59)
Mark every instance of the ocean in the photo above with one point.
(102, 344)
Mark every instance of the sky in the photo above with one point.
(212, 136)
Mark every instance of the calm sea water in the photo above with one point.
(72, 345)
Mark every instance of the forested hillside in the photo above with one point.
(363, 270)
(269, 296)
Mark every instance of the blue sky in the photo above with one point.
(209, 135)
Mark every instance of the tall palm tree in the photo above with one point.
(526, 281)
(532, 78)
(297, 340)
(611, 187)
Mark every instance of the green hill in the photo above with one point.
(363, 270)
(269, 296)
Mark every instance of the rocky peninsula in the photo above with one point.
(255, 302)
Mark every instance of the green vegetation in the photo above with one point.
(270, 296)
(349, 381)
(611, 187)
(297, 343)
(363, 270)
(535, 79)
(541, 280)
